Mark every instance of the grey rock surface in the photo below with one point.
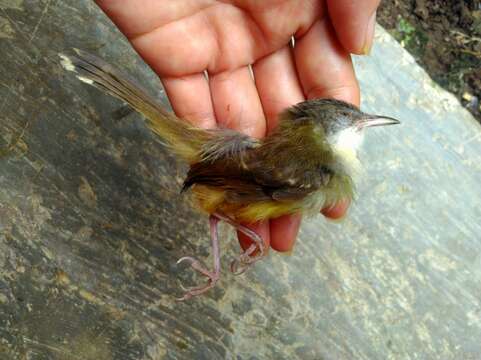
(91, 223)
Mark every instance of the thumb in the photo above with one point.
(354, 22)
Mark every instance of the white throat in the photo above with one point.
(345, 145)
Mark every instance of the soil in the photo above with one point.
(444, 36)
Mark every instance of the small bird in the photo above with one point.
(306, 164)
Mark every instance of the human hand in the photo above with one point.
(182, 39)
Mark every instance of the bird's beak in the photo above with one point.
(376, 120)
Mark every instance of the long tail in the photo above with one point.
(185, 140)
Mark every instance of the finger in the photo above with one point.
(277, 84)
(354, 22)
(190, 99)
(189, 95)
(278, 87)
(236, 102)
(324, 67)
(329, 74)
(337, 211)
(284, 232)
(237, 106)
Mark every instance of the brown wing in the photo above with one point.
(248, 177)
(292, 181)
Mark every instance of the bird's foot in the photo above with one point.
(212, 277)
(251, 255)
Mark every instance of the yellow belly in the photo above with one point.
(212, 200)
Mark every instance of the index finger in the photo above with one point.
(325, 70)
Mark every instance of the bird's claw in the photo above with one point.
(245, 260)
(212, 277)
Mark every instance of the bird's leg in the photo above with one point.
(245, 260)
(212, 276)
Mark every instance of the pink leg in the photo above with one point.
(212, 276)
(245, 260)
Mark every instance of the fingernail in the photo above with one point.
(371, 25)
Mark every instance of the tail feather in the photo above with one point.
(185, 140)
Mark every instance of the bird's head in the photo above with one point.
(338, 124)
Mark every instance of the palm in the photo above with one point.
(182, 39)
(213, 35)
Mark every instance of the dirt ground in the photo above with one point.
(445, 38)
